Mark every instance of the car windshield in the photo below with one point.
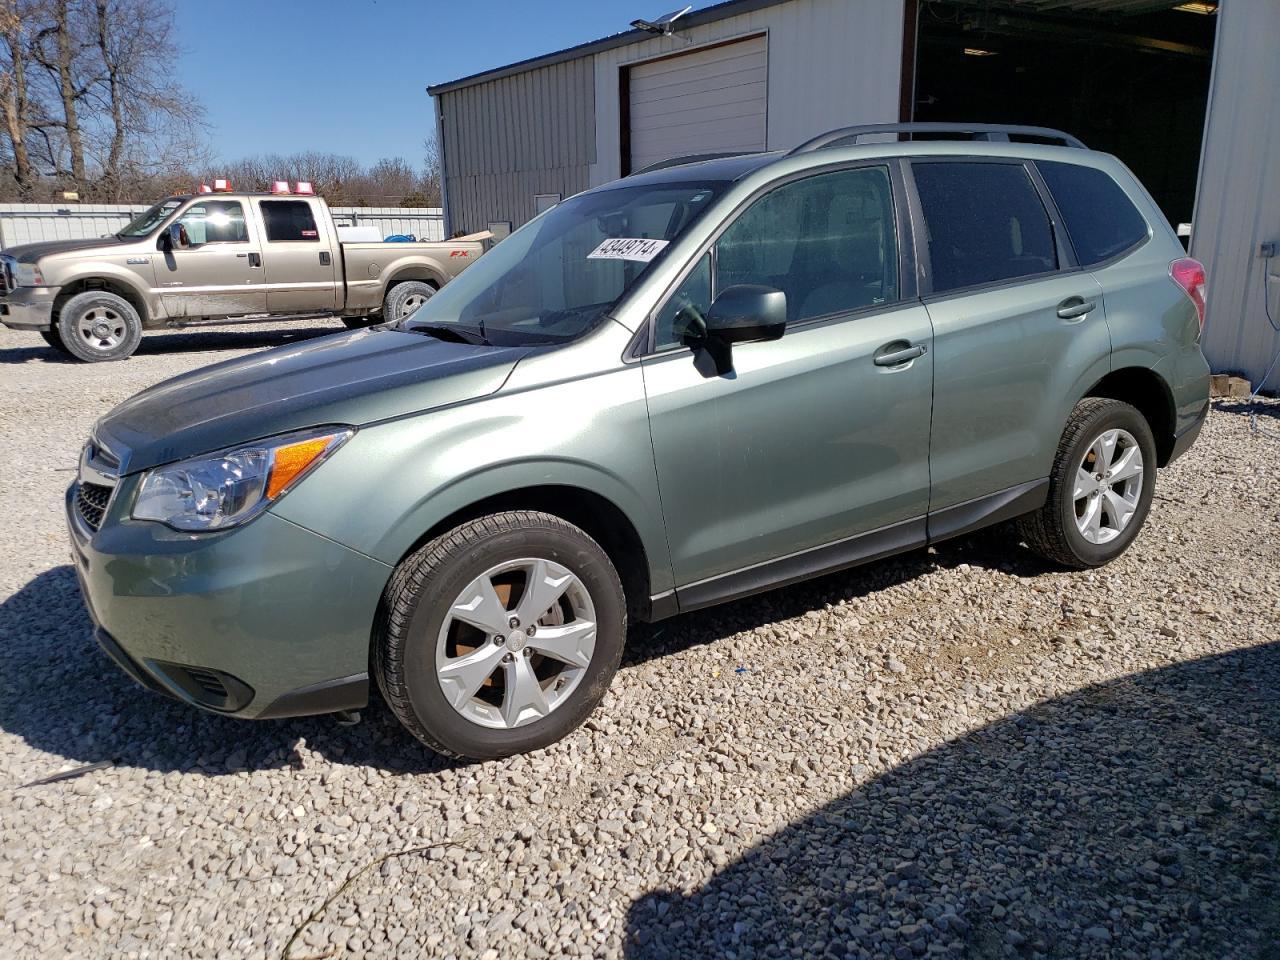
(151, 219)
(557, 276)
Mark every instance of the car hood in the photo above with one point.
(31, 252)
(352, 378)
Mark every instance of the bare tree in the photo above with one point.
(13, 90)
(86, 98)
(147, 123)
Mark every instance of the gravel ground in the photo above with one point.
(955, 753)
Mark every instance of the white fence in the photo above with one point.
(33, 222)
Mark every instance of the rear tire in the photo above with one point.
(404, 299)
(466, 662)
(1100, 489)
(97, 326)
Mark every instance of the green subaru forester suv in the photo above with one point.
(696, 383)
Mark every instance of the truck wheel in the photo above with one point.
(500, 636)
(405, 298)
(1101, 487)
(54, 339)
(97, 325)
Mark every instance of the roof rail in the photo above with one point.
(691, 158)
(997, 132)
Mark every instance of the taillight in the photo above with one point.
(1189, 275)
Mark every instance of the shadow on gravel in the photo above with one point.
(188, 341)
(62, 695)
(995, 548)
(1138, 818)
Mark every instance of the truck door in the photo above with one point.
(220, 274)
(297, 256)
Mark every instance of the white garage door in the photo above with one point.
(708, 101)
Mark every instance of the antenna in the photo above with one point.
(665, 25)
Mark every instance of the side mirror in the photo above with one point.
(178, 238)
(744, 313)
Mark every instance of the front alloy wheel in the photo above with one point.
(501, 635)
(503, 662)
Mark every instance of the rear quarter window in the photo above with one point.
(1100, 218)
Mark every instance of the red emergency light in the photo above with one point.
(221, 185)
(304, 188)
(280, 186)
(204, 188)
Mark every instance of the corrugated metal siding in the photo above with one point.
(710, 100)
(508, 139)
(32, 222)
(557, 128)
(830, 63)
(1238, 199)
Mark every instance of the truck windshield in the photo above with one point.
(557, 276)
(151, 219)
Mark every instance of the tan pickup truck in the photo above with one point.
(216, 257)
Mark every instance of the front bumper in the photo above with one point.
(28, 308)
(264, 620)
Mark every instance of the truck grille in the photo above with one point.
(91, 503)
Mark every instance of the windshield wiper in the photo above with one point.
(446, 332)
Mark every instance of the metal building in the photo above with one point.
(1187, 92)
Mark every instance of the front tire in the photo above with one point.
(97, 326)
(1101, 487)
(501, 636)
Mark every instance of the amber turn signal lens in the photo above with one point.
(291, 461)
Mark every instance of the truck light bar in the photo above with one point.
(204, 188)
(304, 188)
(280, 186)
(221, 185)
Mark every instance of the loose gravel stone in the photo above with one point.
(958, 752)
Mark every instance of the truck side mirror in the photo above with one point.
(178, 238)
(743, 313)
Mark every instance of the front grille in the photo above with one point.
(91, 503)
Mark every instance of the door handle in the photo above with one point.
(1075, 308)
(324, 258)
(897, 353)
(255, 260)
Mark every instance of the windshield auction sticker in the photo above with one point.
(626, 248)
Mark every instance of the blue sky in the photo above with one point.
(350, 76)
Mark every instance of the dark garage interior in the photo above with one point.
(1131, 79)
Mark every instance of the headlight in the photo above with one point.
(229, 487)
(27, 275)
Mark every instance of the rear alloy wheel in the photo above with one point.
(96, 326)
(404, 299)
(1101, 487)
(501, 636)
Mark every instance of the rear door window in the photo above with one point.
(986, 223)
(1100, 218)
(289, 220)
